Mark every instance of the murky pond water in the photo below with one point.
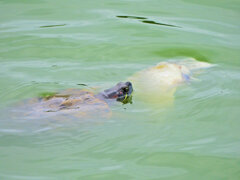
(54, 45)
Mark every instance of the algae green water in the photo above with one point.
(46, 46)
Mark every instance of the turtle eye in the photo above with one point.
(125, 90)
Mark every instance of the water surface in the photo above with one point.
(54, 45)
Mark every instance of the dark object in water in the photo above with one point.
(56, 25)
(131, 17)
(156, 23)
(147, 21)
(81, 84)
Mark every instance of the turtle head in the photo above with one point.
(122, 92)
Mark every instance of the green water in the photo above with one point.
(53, 45)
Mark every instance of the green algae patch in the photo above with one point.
(47, 95)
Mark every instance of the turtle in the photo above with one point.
(77, 103)
(158, 83)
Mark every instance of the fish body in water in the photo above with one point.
(159, 83)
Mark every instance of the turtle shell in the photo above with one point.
(71, 103)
